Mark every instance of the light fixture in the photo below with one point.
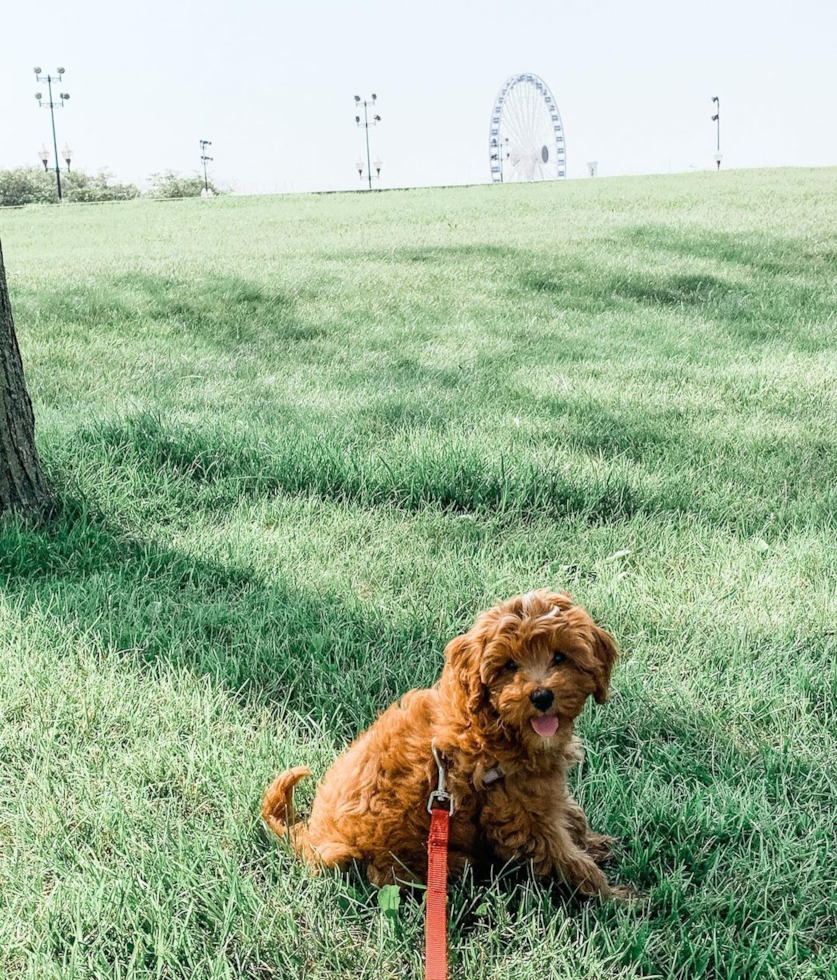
(37, 71)
(359, 165)
(378, 164)
(67, 153)
(43, 155)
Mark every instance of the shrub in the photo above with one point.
(170, 184)
(32, 185)
(97, 187)
(26, 185)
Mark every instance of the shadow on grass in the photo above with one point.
(323, 655)
(452, 474)
(648, 437)
(772, 255)
(784, 295)
(438, 255)
(781, 301)
(594, 465)
(220, 309)
(597, 293)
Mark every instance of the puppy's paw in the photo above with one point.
(599, 847)
(625, 895)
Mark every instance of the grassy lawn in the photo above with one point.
(298, 443)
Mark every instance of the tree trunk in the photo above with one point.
(22, 483)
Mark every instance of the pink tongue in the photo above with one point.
(545, 726)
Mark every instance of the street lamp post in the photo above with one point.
(717, 120)
(204, 160)
(52, 106)
(365, 125)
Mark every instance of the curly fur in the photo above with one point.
(371, 805)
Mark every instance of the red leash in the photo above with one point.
(440, 805)
(435, 937)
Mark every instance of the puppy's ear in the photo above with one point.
(462, 664)
(606, 652)
(561, 601)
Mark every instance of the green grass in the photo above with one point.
(297, 443)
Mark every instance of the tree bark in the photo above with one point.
(22, 483)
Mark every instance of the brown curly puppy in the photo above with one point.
(502, 714)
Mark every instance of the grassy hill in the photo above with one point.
(298, 442)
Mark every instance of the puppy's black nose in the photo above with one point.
(542, 699)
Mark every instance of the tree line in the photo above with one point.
(33, 185)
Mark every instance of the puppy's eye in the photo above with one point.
(557, 658)
(511, 665)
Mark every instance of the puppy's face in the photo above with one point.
(529, 664)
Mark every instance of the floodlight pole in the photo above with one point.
(52, 106)
(368, 154)
(717, 120)
(205, 159)
(365, 125)
(54, 137)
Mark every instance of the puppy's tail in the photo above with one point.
(278, 804)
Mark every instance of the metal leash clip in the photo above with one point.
(439, 796)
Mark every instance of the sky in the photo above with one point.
(271, 84)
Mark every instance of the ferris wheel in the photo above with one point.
(526, 138)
